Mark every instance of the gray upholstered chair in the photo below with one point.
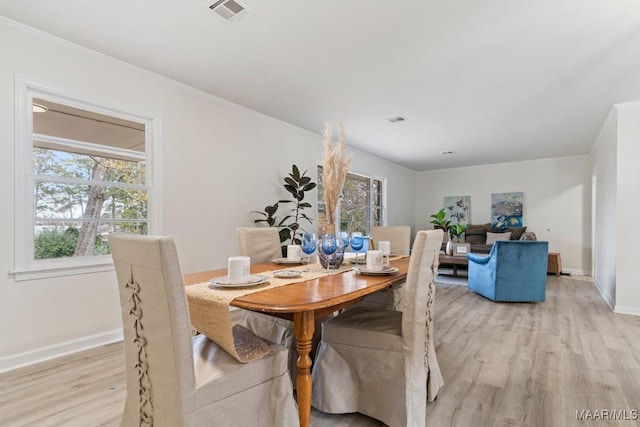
(392, 298)
(174, 379)
(383, 363)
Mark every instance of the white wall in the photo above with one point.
(221, 161)
(627, 294)
(557, 200)
(604, 171)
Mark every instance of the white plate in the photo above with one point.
(223, 281)
(288, 261)
(384, 272)
(287, 274)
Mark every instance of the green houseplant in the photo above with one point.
(456, 230)
(297, 185)
(439, 220)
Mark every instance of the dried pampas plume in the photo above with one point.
(334, 169)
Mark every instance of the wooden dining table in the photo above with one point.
(305, 301)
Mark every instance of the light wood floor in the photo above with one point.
(504, 364)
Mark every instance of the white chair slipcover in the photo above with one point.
(262, 244)
(400, 237)
(383, 363)
(174, 379)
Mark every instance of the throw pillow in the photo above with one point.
(493, 237)
(516, 232)
(529, 235)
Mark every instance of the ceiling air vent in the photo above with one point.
(230, 10)
(397, 119)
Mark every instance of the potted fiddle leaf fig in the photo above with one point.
(439, 220)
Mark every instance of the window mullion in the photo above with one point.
(80, 181)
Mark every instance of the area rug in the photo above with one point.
(446, 276)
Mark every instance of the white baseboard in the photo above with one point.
(574, 272)
(41, 354)
(620, 309)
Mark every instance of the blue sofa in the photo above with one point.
(513, 271)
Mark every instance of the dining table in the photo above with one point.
(307, 300)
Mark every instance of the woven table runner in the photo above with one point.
(210, 315)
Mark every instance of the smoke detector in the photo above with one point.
(230, 10)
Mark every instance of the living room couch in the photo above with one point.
(477, 234)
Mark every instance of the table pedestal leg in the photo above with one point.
(304, 326)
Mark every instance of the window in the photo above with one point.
(83, 172)
(361, 203)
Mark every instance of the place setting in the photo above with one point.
(238, 275)
(377, 264)
(294, 256)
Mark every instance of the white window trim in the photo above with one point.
(25, 266)
(383, 221)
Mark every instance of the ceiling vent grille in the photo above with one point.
(397, 119)
(230, 10)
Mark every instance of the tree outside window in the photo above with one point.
(361, 203)
(89, 180)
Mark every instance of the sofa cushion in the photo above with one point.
(477, 233)
(529, 235)
(481, 249)
(493, 237)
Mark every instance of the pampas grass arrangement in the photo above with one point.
(334, 169)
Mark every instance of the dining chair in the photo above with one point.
(399, 236)
(175, 379)
(261, 244)
(382, 363)
(391, 298)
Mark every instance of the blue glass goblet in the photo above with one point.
(345, 238)
(357, 242)
(309, 247)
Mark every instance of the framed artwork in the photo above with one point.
(458, 209)
(506, 210)
(461, 249)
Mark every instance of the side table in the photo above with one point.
(554, 264)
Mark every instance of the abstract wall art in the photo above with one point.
(458, 209)
(506, 210)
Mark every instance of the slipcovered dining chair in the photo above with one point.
(391, 298)
(261, 244)
(399, 236)
(174, 379)
(514, 270)
(383, 363)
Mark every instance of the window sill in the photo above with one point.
(59, 271)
